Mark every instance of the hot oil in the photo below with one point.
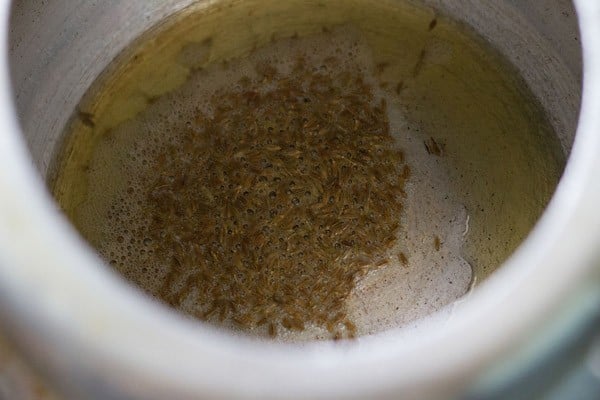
(307, 170)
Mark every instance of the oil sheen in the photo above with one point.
(307, 170)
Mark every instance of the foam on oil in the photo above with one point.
(483, 159)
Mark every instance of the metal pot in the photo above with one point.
(93, 336)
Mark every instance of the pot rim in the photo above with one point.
(79, 318)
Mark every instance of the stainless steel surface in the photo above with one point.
(95, 337)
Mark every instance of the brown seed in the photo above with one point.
(433, 147)
(86, 118)
(399, 87)
(403, 259)
(350, 327)
(272, 330)
(433, 24)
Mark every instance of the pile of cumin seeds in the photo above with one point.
(273, 204)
